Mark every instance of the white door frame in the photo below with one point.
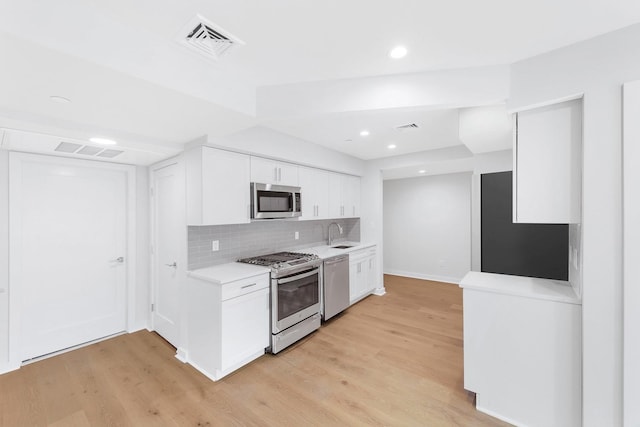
(631, 253)
(181, 269)
(16, 160)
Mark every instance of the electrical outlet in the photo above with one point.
(296, 235)
(215, 245)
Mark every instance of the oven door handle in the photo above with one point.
(298, 276)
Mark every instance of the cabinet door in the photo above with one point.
(307, 185)
(245, 327)
(335, 195)
(354, 275)
(225, 187)
(351, 196)
(264, 170)
(358, 271)
(268, 171)
(322, 194)
(315, 193)
(288, 174)
(547, 164)
(370, 263)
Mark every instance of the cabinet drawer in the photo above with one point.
(359, 255)
(244, 286)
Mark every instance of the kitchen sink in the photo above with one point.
(342, 246)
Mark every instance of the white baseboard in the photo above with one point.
(181, 355)
(498, 416)
(8, 367)
(380, 291)
(139, 327)
(422, 276)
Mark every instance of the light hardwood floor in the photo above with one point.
(394, 360)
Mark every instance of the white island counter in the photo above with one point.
(523, 348)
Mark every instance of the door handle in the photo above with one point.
(119, 260)
(174, 265)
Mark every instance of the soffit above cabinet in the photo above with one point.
(29, 142)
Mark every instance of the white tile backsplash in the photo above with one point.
(260, 237)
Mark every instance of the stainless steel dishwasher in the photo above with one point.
(335, 286)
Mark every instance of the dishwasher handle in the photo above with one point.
(335, 260)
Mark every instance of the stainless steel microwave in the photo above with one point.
(269, 201)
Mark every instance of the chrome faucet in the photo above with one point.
(329, 231)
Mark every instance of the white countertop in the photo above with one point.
(326, 251)
(225, 273)
(526, 287)
(230, 272)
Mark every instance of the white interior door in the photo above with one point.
(68, 236)
(169, 225)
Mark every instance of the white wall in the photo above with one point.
(631, 278)
(143, 260)
(270, 143)
(4, 261)
(427, 227)
(597, 68)
(441, 161)
(497, 161)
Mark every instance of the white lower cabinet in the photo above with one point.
(228, 324)
(523, 349)
(362, 273)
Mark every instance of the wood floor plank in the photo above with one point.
(394, 360)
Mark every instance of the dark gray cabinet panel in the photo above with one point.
(533, 250)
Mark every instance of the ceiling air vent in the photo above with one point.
(67, 147)
(409, 126)
(207, 39)
(87, 150)
(109, 153)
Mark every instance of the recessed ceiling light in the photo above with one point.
(398, 52)
(364, 133)
(391, 146)
(103, 141)
(422, 171)
(59, 99)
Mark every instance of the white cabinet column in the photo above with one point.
(217, 186)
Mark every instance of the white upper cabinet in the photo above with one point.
(314, 184)
(217, 187)
(351, 199)
(266, 171)
(547, 178)
(344, 195)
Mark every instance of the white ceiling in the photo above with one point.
(127, 76)
(341, 132)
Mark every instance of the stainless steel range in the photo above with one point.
(295, 295)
